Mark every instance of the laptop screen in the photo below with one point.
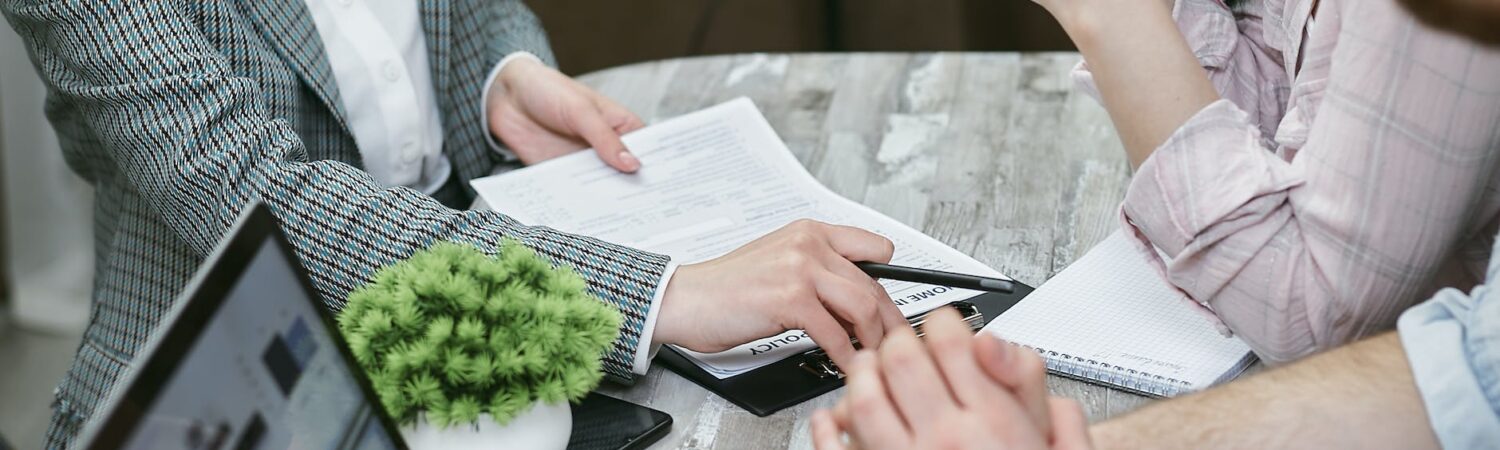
(263, 373)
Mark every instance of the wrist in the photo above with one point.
(498, 87)
(666, 324)
(516, 69)
(508, 73)
(1088, 23)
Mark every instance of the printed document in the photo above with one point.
(711, 181)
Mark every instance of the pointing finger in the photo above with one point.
(853, 301)
(825, 331)
(887, 313)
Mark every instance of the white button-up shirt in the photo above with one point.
(379, 60)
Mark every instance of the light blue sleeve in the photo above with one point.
(1453, 344)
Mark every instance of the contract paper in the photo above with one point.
(711, 181)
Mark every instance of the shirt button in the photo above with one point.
(392, 71)
(409, 152)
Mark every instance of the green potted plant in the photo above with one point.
(468, 350)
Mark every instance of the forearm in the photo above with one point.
(1358, 396)
(1146, 74)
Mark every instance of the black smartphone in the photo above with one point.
(601, 422)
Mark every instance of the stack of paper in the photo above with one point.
(710, 182)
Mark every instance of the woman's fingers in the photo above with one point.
(852, 300)
(886, 311)
(851, 244)
(588, 122)
(857, 244)
(827, 332)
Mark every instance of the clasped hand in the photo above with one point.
(955, 391)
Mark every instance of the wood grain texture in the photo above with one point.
(992, 153)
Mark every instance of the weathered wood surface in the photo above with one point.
(992, 153)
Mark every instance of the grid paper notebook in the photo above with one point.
(1109, 318)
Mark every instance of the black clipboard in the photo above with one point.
(786, 383)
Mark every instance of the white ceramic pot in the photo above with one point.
(543, 427)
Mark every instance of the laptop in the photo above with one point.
(250, 359)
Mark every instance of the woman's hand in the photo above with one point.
(797, 277)
(542, 114)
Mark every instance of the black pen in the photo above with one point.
(936, 277)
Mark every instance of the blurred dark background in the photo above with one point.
(589, 35)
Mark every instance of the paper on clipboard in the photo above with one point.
(711, 181)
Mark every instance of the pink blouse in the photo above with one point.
(1310, 207)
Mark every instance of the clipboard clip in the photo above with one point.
(817, 363)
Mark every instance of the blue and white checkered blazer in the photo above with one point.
(180, 112)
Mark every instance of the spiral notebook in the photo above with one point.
(1109, 318)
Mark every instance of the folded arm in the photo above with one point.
(1302, 255)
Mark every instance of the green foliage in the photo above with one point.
(454, 333)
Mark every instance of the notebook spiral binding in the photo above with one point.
(1091, 371)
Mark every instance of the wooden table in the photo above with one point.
(994, 154)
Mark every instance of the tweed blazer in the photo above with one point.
(180, 112)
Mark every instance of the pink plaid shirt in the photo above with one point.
(1312, 206)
